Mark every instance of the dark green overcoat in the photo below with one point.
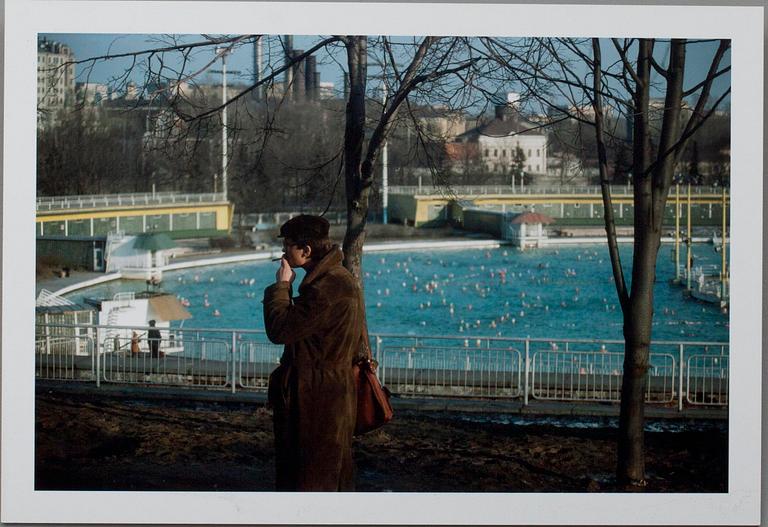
(312, 392)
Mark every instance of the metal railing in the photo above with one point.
(452, 371)
(699, 270)
(65, 357)
(707, 380)
(711, 286)
(587, 370)
(706, 282)
(255, 362)
(596, 376)
(124, 299)
(484, 190)
(273, 219)
(176, 362)
(59, 203)
(687, 373)
(546, 369)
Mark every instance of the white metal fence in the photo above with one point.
(65, 357)
(485, 190)
(596, 376)
(51, 203)
(196, 362)
(260, 220)
(707, 380)
(686, 373)
(452, 371)
(255, 362)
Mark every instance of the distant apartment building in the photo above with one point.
(656, 106)
(131, 91)
(440, 122)
(585, 111)
(92, 93)
(326, 90)
(495, 143)
(55, 79)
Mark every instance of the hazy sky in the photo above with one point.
(90, 45)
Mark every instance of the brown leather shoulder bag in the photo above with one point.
(374, 409)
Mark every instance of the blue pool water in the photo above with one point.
(548, 293)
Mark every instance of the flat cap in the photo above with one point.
(305, 227)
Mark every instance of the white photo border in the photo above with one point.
(25, 19)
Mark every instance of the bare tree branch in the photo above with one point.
(605, 187)
(622, 51)
(265, 80)
(698, 111)
(178, 47)
(409, 81)
(696, 88)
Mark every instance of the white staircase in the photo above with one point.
(123, 302)
(48, 298)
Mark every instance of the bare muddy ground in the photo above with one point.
(90, 442)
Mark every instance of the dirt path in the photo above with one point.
(89, 442)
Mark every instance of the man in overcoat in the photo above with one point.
(312, 392)
(154, 337)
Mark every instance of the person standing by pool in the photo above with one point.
(312, 392)
(134, 343)
(153, 336)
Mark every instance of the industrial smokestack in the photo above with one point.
(257, 69)
(316, 85)
(309, 76)
(299, 77)
(288, 47)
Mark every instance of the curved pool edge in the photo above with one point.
(397, 245)
(205, 261)
(88, 283)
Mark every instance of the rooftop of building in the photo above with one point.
(507, 121)
(51, 46)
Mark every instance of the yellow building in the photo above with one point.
(427, 206)
(177, 214)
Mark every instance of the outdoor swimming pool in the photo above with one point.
(565, 292)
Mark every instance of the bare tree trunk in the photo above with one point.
(637, 308)
(637, 338)
(354, 135)
(652, 184)
(652, 178)
(359, 167)
(605, 188)
(637, 323)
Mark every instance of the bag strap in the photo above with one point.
(366, 339)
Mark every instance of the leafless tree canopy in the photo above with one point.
(594, 98)
(183, 118)
(574, 71)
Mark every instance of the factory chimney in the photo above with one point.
(258, 59)
(316, 86)
(299, 76)
(310, 71)
(288, 48)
